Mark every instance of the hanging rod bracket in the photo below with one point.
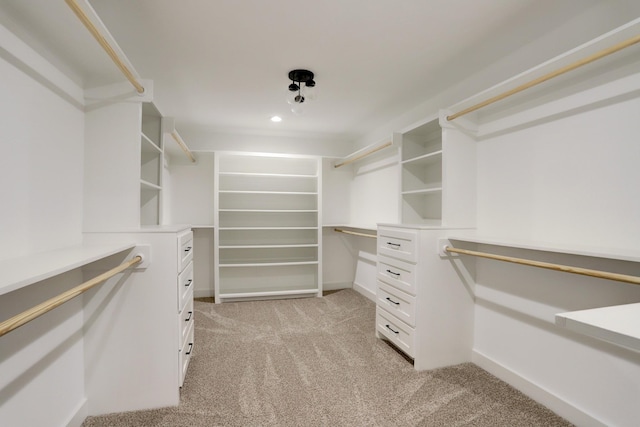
(144, 252)
(442, 245)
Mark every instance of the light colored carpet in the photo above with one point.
(317, 362)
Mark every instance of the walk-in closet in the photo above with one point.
(336, 214)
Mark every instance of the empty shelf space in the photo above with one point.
(619, 325)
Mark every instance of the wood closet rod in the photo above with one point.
(363, 155)
(105, 45)
(34, 312)
(339, 230)
(550, 266)
(591, 58)
(182, 145)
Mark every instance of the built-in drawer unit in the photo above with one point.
(185, 249)
(186, 313)
(397, 273)
(185, 286)
(185, 352)
(185, 319)
(396, 331)
(400, 304)
(397, 244)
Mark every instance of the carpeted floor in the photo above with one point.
(317, 362)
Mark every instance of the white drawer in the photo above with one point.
(396, 302)
(401, 335)
(185, 249)
(399, 244)
(185, 318)
(397, 273)
(185, 286)
(185, 354)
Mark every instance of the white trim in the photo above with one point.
(335, 286)
(535, 392)
(363, 290)
(79, 415)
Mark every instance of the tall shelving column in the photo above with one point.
(267, 226)
(421, 180)
(438, 176)
(151, 164)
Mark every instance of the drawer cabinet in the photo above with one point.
(185, 286)
(400, 304)
(397, 288)
(396, 331)
(423, 304)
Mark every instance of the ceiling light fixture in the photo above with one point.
(276, 119)
(299, 94)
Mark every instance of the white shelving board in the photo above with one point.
(26, 270)
(618, 325)
(598, 252)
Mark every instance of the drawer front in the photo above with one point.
(396, 302)
(185, 318)
(395, 331)
(185, 354)
(399, 244)
(185, 249)
(185, 286)
(397, 273)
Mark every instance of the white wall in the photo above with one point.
(572, 180)
(41, 172)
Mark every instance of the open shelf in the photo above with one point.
(619, 325)
(29, 269)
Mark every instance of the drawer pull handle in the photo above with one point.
(392, 301)
(388, 327)
(190, 348)
(189, 318)
(188, 282)
(188, 249)
(397, 245)
(391, 272)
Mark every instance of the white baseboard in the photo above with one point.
(336, 286)
(202, 293)
(79, 415)
(537, 393)
(364, 291)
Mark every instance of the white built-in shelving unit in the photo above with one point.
(437, 176)
(151, 164)
(267, 226)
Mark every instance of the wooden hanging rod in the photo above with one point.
(105, 45)
(363, 155)
(594, 57)
(34, 312)
(339, 230)
(550, 266)
(182, 145)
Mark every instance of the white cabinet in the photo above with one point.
(151, 164)
(185, 286)
(437, 177)
(267, 226)
(424, 302)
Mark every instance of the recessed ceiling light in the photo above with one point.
(276, 119)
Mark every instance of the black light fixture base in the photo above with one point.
(301, 76)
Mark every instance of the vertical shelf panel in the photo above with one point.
(151, 164)
(268, 229)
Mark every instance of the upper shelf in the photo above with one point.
(598, 71)
(27, 270)
(362, 153)
(598, 252)
(618, 325)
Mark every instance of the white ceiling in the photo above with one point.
(222, 65)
